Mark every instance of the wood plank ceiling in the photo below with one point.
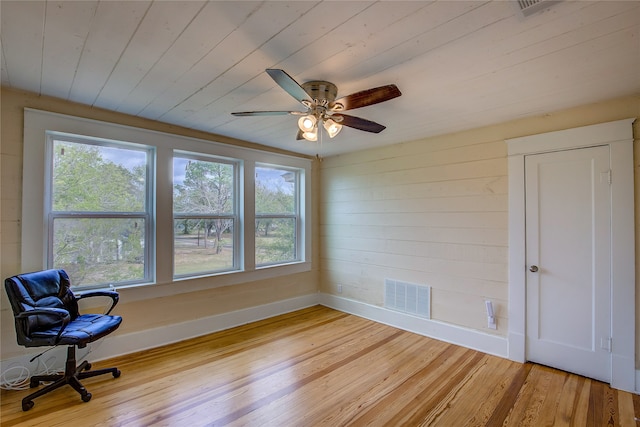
(459, 64)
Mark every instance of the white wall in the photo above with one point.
(430, 212)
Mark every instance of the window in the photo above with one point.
(125, 206)
(205, 217)
(277, 214)
(98, 210)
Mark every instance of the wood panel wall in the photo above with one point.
(433, 212)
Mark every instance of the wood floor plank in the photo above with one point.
(486, 389)
(549, 409)
(610, 408)
(394, 407)
(596, 398)
(625, 409)
(526, 407)
(321, 367)
(393, 359)
(581, 408)
(308, 401)
(313, 377)
(504, 407)
(566, 404)
(382, 378)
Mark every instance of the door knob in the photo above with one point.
(533, 269)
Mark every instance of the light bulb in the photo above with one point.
(312, 135)
(332, 127)
(307, 123)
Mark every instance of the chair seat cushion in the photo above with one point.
(83, 329)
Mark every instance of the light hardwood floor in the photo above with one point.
(318, 367)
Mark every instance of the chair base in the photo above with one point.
(72, 376)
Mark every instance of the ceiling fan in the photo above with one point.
(322, 107)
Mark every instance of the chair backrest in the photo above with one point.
(32, 291)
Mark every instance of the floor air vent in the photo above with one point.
(407, 298)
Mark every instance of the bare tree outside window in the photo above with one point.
(204, 215)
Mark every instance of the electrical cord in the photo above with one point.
(21, 381)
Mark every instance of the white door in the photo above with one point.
(568, 251)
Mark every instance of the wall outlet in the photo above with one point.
(491, 320)
(339, 288)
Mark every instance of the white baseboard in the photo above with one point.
(119, 345)
(464, 337)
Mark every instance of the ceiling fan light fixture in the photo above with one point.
(319, 99)
(307, 123)
(311, 135)
(332, 127)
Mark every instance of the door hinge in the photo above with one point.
(606, 177)
(606, 343)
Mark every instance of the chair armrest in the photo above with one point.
(63, 314)
(115, 297)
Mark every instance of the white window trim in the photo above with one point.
(618, 136)
(298, 215)
(238, 253)
(147, 214)
(38, 122)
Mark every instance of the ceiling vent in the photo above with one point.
(527, 8)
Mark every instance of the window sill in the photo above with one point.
(138, 292)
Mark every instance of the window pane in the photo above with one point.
(99, 250)
(275, 240)
(202, 245)
(93, 178)
(202, 187)
(275, 191)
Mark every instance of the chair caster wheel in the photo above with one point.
(33, 384)
(88, 367)
(27, 405)
(86, 397)
(117, 373)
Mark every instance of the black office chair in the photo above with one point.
(46, 314)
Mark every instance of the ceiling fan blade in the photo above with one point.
(359, 123)
(286, 82)
(367, 97)
(269, 113)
